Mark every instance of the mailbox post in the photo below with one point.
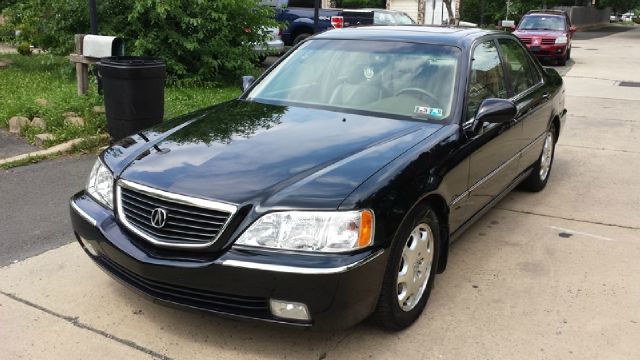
(89, 50)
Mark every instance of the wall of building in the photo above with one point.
(582, 16)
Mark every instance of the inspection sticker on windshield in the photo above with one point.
(423, 110)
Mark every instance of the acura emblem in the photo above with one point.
(158, 217)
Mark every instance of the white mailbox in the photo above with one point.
(98, 46)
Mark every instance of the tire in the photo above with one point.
(539, 177)
(420, 231)
(569, 54)
(562, 61)
(300, 38)
(262, 58)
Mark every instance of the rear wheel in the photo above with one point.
(538, 178)
(410, 272)
(300, 38)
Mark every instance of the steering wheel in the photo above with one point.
(423, 94)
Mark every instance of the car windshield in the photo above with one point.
(542, 23)
(395, 78)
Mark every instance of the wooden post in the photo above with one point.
(82, 69)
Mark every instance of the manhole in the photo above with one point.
(629, 83)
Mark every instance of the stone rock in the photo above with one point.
(69, 114)
(42, 138)
(98, 109)
(38, 123)
(75, 120)
(42, 102)
(16, 123)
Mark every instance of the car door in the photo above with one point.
(531, 97)
(493, 147)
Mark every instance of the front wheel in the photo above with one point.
(539, 176)
(410, 272)
(298, 39)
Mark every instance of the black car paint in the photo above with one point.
(390, 168)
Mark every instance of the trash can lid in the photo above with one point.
(131, 61)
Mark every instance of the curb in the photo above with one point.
(57, 149)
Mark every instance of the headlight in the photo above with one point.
(561, 39)
(321, 231)
(100, 184)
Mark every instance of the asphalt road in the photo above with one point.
(551, 275)
(34, 215)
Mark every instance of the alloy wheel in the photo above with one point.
(415, 266)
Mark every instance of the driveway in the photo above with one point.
(553, 275)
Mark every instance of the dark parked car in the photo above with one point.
(332, 188)
(547, 34)
(298, 15)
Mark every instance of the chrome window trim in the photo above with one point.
(83, 214)
(171, 197)
(299, 269)
(495, 171)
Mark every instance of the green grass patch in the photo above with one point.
(52, 78)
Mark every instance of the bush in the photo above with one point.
(636, 20)
(358, 4)
(201, 41)
(24, 49)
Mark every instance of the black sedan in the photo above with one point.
(331, 189)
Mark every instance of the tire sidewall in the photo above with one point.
(422, 214)
(300, 38)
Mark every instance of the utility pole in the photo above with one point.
(508, 3)
(316, 15)
(456, 21)
(93, 17)
(433, 12)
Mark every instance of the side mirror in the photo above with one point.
(494, 111)
(247, 81)
(572, 28)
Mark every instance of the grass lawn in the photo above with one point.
(52, 78)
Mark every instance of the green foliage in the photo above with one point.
(619, 6)
(49, 77)
(357, 4)
(24, 49)
(486, 12)
(201, 41)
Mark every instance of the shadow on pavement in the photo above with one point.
(601, 32)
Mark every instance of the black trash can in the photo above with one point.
(133, 88)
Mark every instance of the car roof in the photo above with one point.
(445, 35)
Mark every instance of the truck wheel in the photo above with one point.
(410, 272)
(300, 38)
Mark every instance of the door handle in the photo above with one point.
(546, 95)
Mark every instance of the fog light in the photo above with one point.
(289, 310)
(88, 246)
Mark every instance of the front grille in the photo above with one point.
(189, 222)
(526, 40)
(229, 304)
(548, 41)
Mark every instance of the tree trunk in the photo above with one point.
(457, 17)
(447, 3)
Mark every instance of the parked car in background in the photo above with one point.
(547, 34)
(332, 188)
(272, 46)
(615, 18)
(298, 16)
(390, 17)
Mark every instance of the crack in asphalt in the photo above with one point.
(570, 219)
(599, 148)
(77, 323)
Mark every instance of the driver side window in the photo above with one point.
(487, 78)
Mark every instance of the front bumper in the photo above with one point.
(339, 290)
(274, 47)
(548, 51)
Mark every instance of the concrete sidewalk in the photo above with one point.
(552, 275)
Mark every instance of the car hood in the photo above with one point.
(245, 152)
(540, 33)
